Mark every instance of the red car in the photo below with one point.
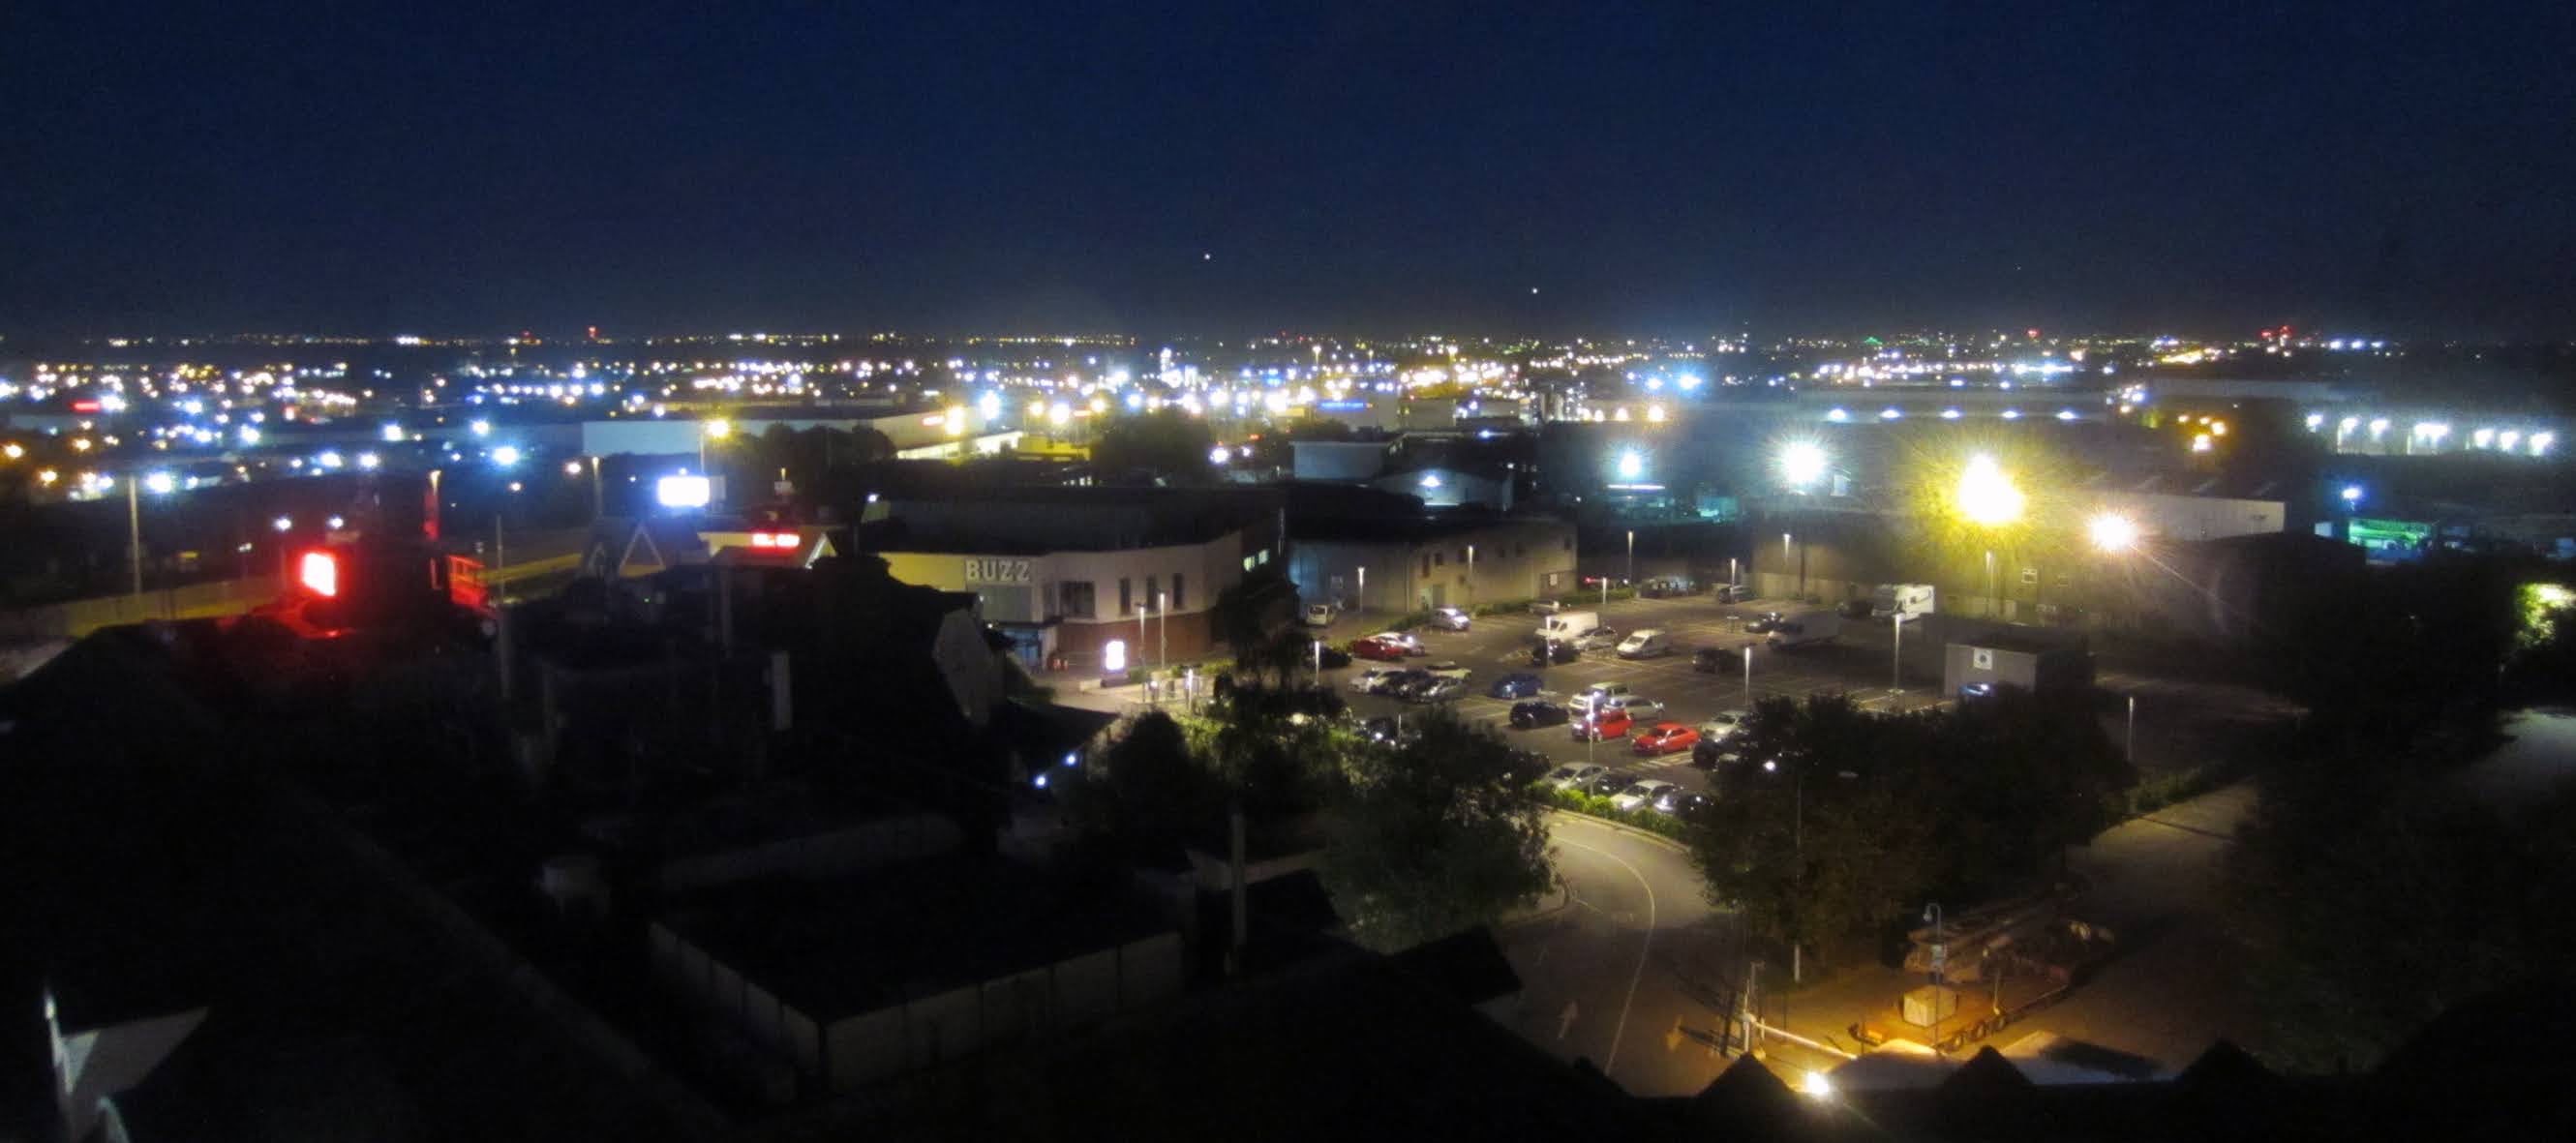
(1378, 649)
(1666, 738)
(1607, 724)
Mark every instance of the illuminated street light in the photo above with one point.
(719, 428)
(2352, 494)
(1817, 1086)
(369, 461)
(1987, 496)
(283, 523)
(1219, 454)
(506, 455)
(160, 482)
(482, 428)
(1802, 463)
(13, 450)
(2113, 532)
(1631, 465)
(572, 468)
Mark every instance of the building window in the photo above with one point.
(1077, 599)
(1462, 555)
(1426, 565)
(1180, 597)
(1126, 596)
(1520, 549)
(1154, 592)
(2029, 577)
(1440, 559)
(1247, 563)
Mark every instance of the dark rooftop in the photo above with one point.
(842, 947)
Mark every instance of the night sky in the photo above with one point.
(1384, 167)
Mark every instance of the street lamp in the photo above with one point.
(717, 429)
(1632, 558)
(1802, 463)
(1471, 576)
(2113, 532)
(1986, 495)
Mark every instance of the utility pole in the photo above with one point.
(1748, 676)
(1632, 557)
(134, 530)
(2129, 742)
(1896, 673)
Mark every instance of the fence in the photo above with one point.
(79, 617)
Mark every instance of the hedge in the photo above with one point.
(1574, 801)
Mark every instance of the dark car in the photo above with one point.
(1388, 730)
(1734, 593)
(1711, 660)
(1537, 712)
(1853, 608)
(1709, 755)
(1407, 683)
(1553, 651)
(1609, 785)
(1328, 658)
(1683, 804)
(1764, 623)
(1518, 684)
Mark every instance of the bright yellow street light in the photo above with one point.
(719, 428)
(2113, 532)
(1987, 496)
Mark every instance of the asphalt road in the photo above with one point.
(1631, 971)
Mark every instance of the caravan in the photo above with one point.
(1900, 599)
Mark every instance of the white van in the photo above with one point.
(1567, 626)
(1900, 599)
(1645, 643)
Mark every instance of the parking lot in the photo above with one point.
(1857, 663)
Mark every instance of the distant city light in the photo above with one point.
(1986, 495)
(2352, 494)
(1219, 455)
(506, 455)
(369, 461)
(1631, 465)
(393, 434)
(482, 428)
(283, 523)
(160, 482)
(328, 460)
(1430, 480)
(1802, 463)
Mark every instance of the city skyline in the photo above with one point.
(1658, 171)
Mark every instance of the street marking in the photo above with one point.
(1565, 1023)
(1642, 946)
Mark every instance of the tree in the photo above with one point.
(1167, 445)
(1148, 784)
(1249, 615)
(1435, 836)
(1845, 820)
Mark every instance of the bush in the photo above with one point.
(1501, 607)
(1575, 801)
(1409, 621)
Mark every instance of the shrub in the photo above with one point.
(1576, 801)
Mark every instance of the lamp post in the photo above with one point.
(2129, 740)
(1940, 959)
(134, 531)
(717, 429)
(1632, 557)
(1987, 497)
(1748, 676)
(1163, 630)
(1471, 576)
(1896, 670)
(1359, 602)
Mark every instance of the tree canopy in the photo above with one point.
(1168, 445)
(1844, 821)
(1437, 835)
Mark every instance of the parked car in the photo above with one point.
(1683, 804)
(1372, 647)
(1664, 586)
(1714, 755)
(1722, 725)
(1518, 684)
(1326, 656)
(1609, 785)
(1734, 592)
(1645, 643)
(1640, 795)
(1530, 714)
(1583, 699)
(1449, 669)
(1665, 738)
(1634, 706)
(1371, 680)
(1441, 689)
(1711, 660)
(1607, 724)
(1853, 609)
(1389, 730)
(1405, 641)
(1575, 777)
(1764, 623)
(1546, 606)
(1320, 614)
(1407, 683)
(1597, 639)
(1548, 651)
(1450, 618)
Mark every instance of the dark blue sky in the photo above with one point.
(1379, 167)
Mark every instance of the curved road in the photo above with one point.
(1630, 972)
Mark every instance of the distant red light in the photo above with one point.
(319, 572)
(84, 406)
(773, 540)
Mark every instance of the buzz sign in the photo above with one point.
(998, 571)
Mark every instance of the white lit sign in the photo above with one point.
(999, 571)
(1113, 658)
(684, 491)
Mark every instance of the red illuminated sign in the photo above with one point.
(785, 540)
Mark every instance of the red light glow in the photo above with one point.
(773, 539)
(319, 572)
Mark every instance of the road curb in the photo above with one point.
(1630, 830)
